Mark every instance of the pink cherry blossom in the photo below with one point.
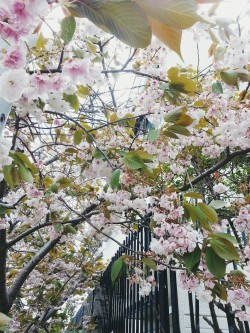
(14, 57)
(12, 84)
(77, 70)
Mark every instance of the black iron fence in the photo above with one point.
(118, 308)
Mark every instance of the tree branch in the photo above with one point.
(25, 272)
(229, 157)
(87, 213)
(4, 300)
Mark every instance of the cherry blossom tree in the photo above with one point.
(81, 159)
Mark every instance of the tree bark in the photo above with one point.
(4, 300)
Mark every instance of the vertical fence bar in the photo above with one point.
(157, 313)
(119, 303)
(163, 302)
(126, 290)
(197, 315)
(137, 287)
(191, 309)
(146, 304)
(133, 286)
(130, 291)
(174, 301)
(141, 298)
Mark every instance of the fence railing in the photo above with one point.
(118, 308)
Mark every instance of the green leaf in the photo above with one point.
(230, 78)
(68, 27)
(23, 159)
(190, 211)
(145, 156)
(116, 270)
(41, 42)
(191, 259)
(169, 134)
(168, 35)
(247, 198)
(181, 82)
(63, 182)
(4, 320)
(153, 134)
(179, 130)
(133, 161)
(180, 14)
(69, 229)
(58, 228)
(243, 75)
(8, 176)
(202, 218)
(25, 174)
(125, 20)
(78, 137)
(150, 263)
(96, 153)
(173, 115)
(224, 236)
(220, 291)
(209, 211)
(194, 195)
(217, 88)
(72, 100)
(215, 264)
(185, 120)
(218, 204)
(115, 179)
(224, 249)
(91, 47)
(83, 91)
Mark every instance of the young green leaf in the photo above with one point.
(124, 19)
(180, 14)
(68, 27)
(218, 204)
(78, 135)
(209, 212)
(230, 78)
(153, 134)
(224, 249)
(223, 235)
(115, 179)
(220, 291)
(117, 269)
(4, 320)
(168, 35)
(215, 264)
(72, 100)
(150, 263)
(179, 130)
(133, 161)
(25, 173)
(217, 88)
(191, 259)
(173, 115)
(194, 195)
(8, 175)
(96, 153)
